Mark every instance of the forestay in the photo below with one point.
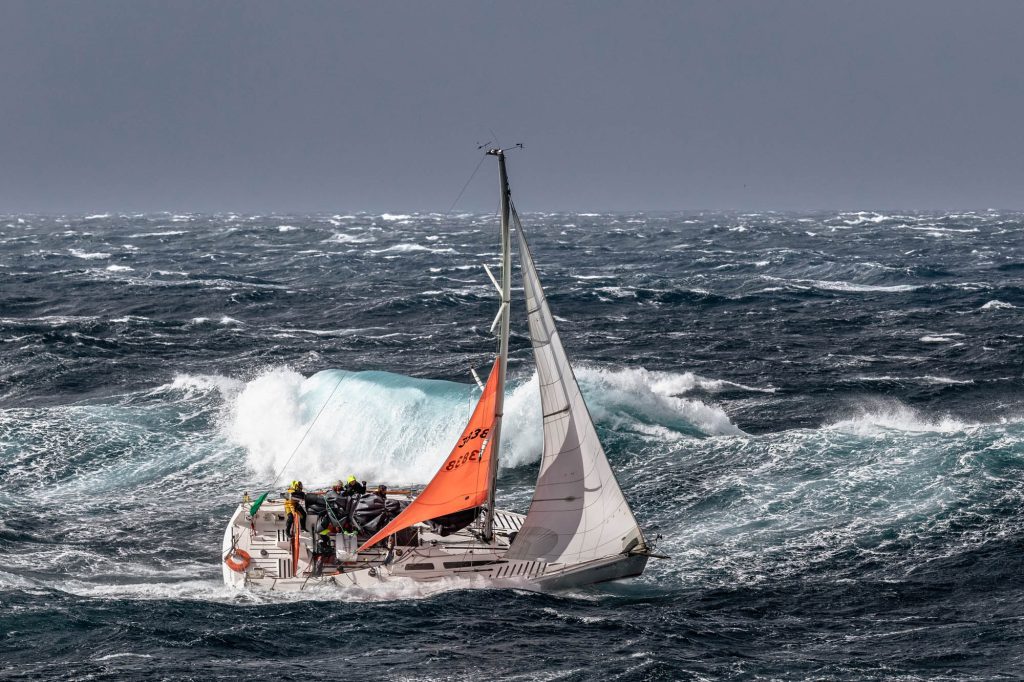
(578, 512)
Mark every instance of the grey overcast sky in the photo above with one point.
(256, 106)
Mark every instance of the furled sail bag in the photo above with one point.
(372, 512)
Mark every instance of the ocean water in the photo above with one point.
(822, 414)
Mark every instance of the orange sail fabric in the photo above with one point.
(462, 481)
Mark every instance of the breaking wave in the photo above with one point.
(389, 427)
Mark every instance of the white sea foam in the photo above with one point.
(388, 427)
(345, 238)
(880, 417)
(85, 255)
(95, 216)
(217, 591)
(163, 233)
(410, 248)
(997, 305)
(205, 382)
(119, 268)
(403, 248)
(845, 286)
(852, 287)
(324, 332)
(940, 231)
(123, 654)
(863, 217)
(618, 292)
(926, 379)
(389, 217)
(632, 399)
(286, 228)
(51, 320)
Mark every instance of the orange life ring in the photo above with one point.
(238, 560)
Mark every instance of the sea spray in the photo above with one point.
(395, 429)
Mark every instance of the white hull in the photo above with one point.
(459, 556)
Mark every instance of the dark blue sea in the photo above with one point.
(821, 413)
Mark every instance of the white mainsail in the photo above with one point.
(578, 512)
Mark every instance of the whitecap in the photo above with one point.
(858, 288)
(928, 378)
(410, 248)
(119, 268)
(343, 238)
(880, 417)
(618, 292)
(941, 231)
(997, 305)
(79, 253)
(402, 248)
(125, 654)
(863, 217)
(201, 383)
(164, 233)
(849, 287)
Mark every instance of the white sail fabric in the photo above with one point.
(578, 512)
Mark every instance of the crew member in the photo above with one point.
(354, 487)
(323, 545)
(294, 498)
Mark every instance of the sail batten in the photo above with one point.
(578, 512)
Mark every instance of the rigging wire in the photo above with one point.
(463, 190)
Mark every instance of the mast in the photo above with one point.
(506, 287)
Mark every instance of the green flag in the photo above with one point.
(256, 505)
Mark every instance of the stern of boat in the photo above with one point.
(234, 537)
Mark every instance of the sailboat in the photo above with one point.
(579, 528)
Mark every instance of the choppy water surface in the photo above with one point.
(822, 414)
